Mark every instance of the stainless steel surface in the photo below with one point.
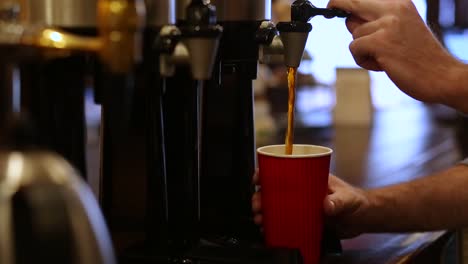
(21, 41)
(294, 45)
(234, 10)
(199, 53)
(6, 239)
(160, 12)
(272, 53)
(62, 13)
(181, 6)
(37, 169)
(121, 24)
(168, 62)
(202, 56)
(82, 13)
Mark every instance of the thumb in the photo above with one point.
(337, 203)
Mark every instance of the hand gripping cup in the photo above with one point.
(293, 190)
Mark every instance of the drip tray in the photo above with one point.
(208, 253)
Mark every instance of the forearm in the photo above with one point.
(456, 88)
(436, 202)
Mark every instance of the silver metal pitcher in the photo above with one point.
(47, 213)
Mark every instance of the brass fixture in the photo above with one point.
(120, 24)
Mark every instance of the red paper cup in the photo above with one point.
(293, 190)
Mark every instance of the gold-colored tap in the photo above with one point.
(120, 24)
(52, 38)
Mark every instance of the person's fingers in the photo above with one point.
(344, 201)
(371, 65)
(365, 9)
(353, 22)
(334, 182)
(337, 203)
(368, 28)
(332, 179)
(258, 219)
(363, 50)
(256, 179)
(329, 206)
(257, 202)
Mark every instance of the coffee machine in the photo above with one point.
(199, 208)
(133, 175)
(228, 142)
(52, 89)
(177, 135)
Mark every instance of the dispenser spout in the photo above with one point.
(195, 43)
(294, 34)
(201, 36)
(294, 37)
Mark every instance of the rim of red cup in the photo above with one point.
(324, 151)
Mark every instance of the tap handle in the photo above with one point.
(266, 33)
(304, 10)
(121, 24)
(201, 14)
(201, 21)
(329, 12)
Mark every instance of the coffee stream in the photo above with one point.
(291, 106)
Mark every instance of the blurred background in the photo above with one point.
(327, 50)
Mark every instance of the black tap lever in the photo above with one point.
(304, 10)
(328, 12)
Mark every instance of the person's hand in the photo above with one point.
(390, 36)
(344, 207)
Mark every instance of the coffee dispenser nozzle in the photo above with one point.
(195, 43)
(293, 35)
(271, 48)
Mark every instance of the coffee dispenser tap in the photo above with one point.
(271, 48)
(120, 24)
(293, 35)
(188, 52)
(304, 11)
(52, 44)
(285, 44)
(195, 43)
